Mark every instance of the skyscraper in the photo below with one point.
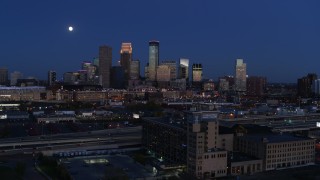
(3, 76)
(117, 77)
(241, 75)
(173, 68)
(316, 87)
(135, 70)
(184, 69)
(196, 72)
(91, 70)
(125, 59)
(163, 73)
(52, 77)
(105, 62)
(153, 60)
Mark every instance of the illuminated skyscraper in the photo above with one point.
(153, 60)
(173, 68)
(105, 62)
(163, 73)
(125, 59)
(184, 69)
(196, 73)
(241, 75)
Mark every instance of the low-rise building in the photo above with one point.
(278, 151)
(240, 164)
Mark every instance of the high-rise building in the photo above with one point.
(163, 73)
(184, 69)
(83, 76)
(241, 75)
(14, 77)
(95, 61)
(134, 70)
(196, 72)
(105, 63)
(91, 70)
(173, 68)
(125, 59)
(3, 76)
(146, 71)
(316, 87)
(117, 77)
(223, 84)
(52, 77)
(305, 85)
(153, 60)
(256, 86)
(71, 77)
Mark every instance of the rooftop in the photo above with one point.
(274, 138)
(240, 157)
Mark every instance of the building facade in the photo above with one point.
(165, 139)
(173, 68)
(305, 85)
(241, 75)
(14, 77)
(125, 59)
(223, 85)
(134, 70)
(205, 158)
(184, 69)
(52, 78)
(4, 76)
(153, 60)
(256, 86)
(105, 63)
(278, 151)
(117, 77)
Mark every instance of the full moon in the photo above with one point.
(70, 28)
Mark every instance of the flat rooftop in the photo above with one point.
(274, 138)
(240, 157)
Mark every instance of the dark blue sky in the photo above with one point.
(279, 39)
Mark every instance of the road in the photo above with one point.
(73, 140)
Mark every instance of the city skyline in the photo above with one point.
(279, 35)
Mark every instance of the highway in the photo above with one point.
(73, 140)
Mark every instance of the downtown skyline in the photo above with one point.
(276, 39)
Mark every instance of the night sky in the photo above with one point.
(279, 39)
